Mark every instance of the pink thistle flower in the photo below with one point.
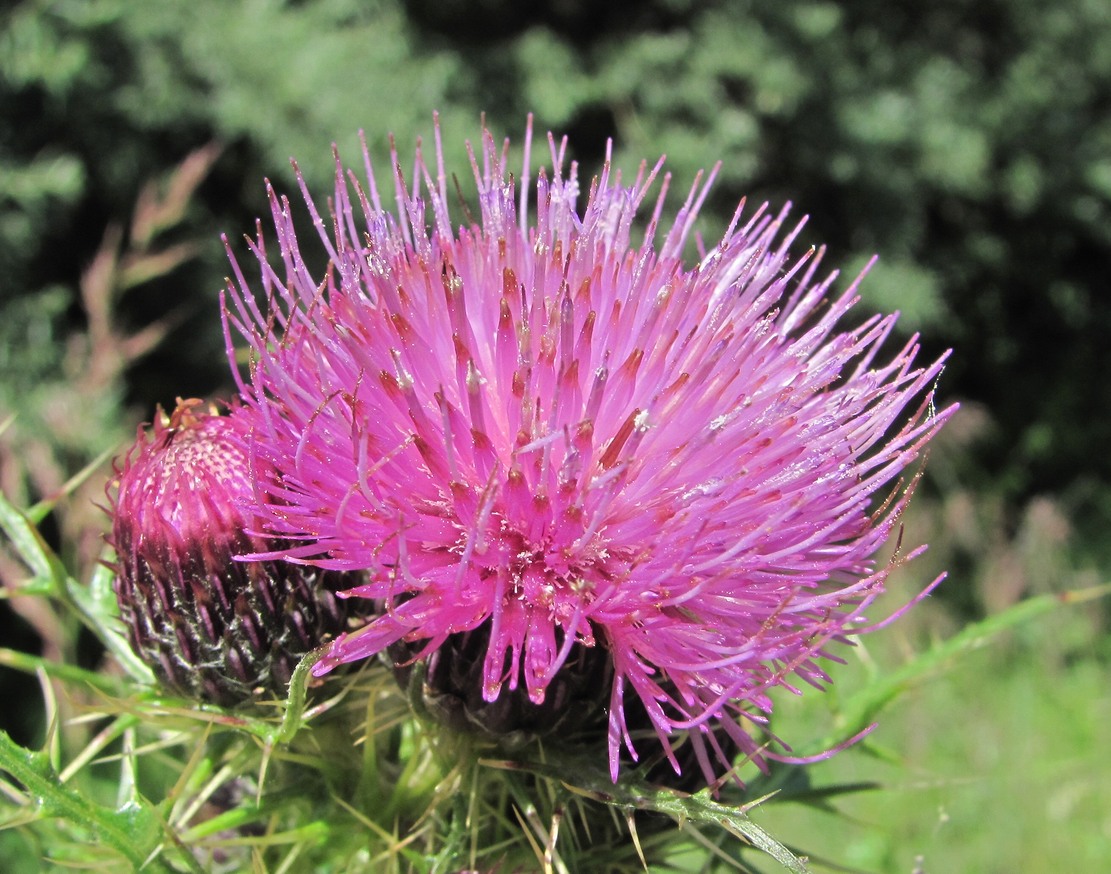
(571, 440)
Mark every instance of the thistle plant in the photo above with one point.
(593, 496)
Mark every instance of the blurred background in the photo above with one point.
(968, 143)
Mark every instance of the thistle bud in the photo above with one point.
(211, 627)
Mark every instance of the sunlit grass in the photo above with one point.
(998, 765)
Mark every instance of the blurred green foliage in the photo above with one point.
(966, 143)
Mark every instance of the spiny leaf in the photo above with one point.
(30, 546)
(134, 831)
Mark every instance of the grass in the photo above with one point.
(996, 766)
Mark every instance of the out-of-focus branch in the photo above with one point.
(95, 360)
(153, 213)
(116, 269)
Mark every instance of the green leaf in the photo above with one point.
(94, 605)
(135, 831)
(32, 664)
(861, 709)
(30, 546)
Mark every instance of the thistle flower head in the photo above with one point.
(209, 626)
(544, 430)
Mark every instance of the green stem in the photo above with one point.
(31, 664)
(292, 718)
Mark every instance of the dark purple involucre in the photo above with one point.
(544, 433)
